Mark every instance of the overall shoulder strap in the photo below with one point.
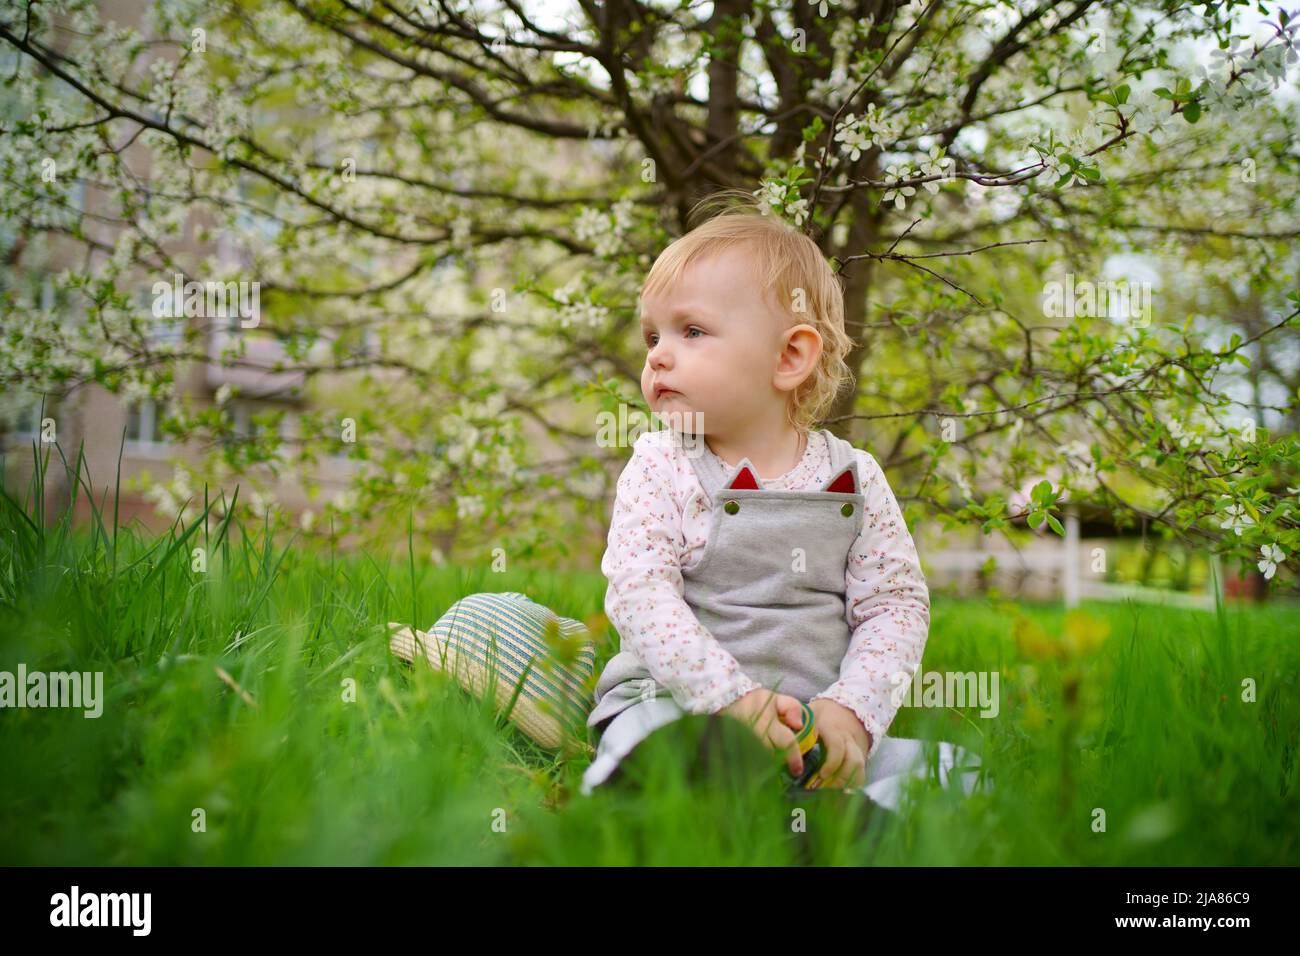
(712, 471)
(841, 451)
(843, 459)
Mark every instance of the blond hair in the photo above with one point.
(785, 260)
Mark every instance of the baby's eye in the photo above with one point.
(651, 336)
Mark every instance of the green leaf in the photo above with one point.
(1056, 525)
(1042, 492)
(1192, 111)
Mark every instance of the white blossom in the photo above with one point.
(582, 313)
(469, 506)
(1273, 556)
(774, 197)
(1079, 456)
(605, 229)
(1236, 519)
(898, 194)
(1054, 163)
(854, 137)
(1226, 59)
(1183, 437)
(460, 230)
(506, 466)
(936, 164)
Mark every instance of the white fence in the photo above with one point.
(1061, 561)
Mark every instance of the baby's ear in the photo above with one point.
(845, 482)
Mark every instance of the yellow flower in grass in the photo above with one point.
(1032, 640)
(1033, 718)
(1083, 634)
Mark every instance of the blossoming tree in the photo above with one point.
(448, 206)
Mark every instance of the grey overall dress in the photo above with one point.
(770, 587)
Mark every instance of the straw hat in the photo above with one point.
(536, 665)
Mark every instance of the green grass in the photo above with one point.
(1148, 724)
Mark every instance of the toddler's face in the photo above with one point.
(715, 342)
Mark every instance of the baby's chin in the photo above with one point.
(677, 415)
(672, 401)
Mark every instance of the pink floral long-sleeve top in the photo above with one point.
(660, 526)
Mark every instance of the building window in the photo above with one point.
(244, 416)
(77, 196)
(144, 427)
(167, 334)
(162, 332)
(23, 424)
(248, 216)
(241, 414)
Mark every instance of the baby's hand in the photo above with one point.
(774, 717)
(846, 743)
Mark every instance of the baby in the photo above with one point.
(754, 562)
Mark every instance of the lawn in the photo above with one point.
(230, 735)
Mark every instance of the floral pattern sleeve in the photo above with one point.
(645, 599)
(888, 607)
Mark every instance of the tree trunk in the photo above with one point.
(723, 120)
(863, 234)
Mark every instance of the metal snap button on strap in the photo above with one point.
(731, 507)
(847, 509)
